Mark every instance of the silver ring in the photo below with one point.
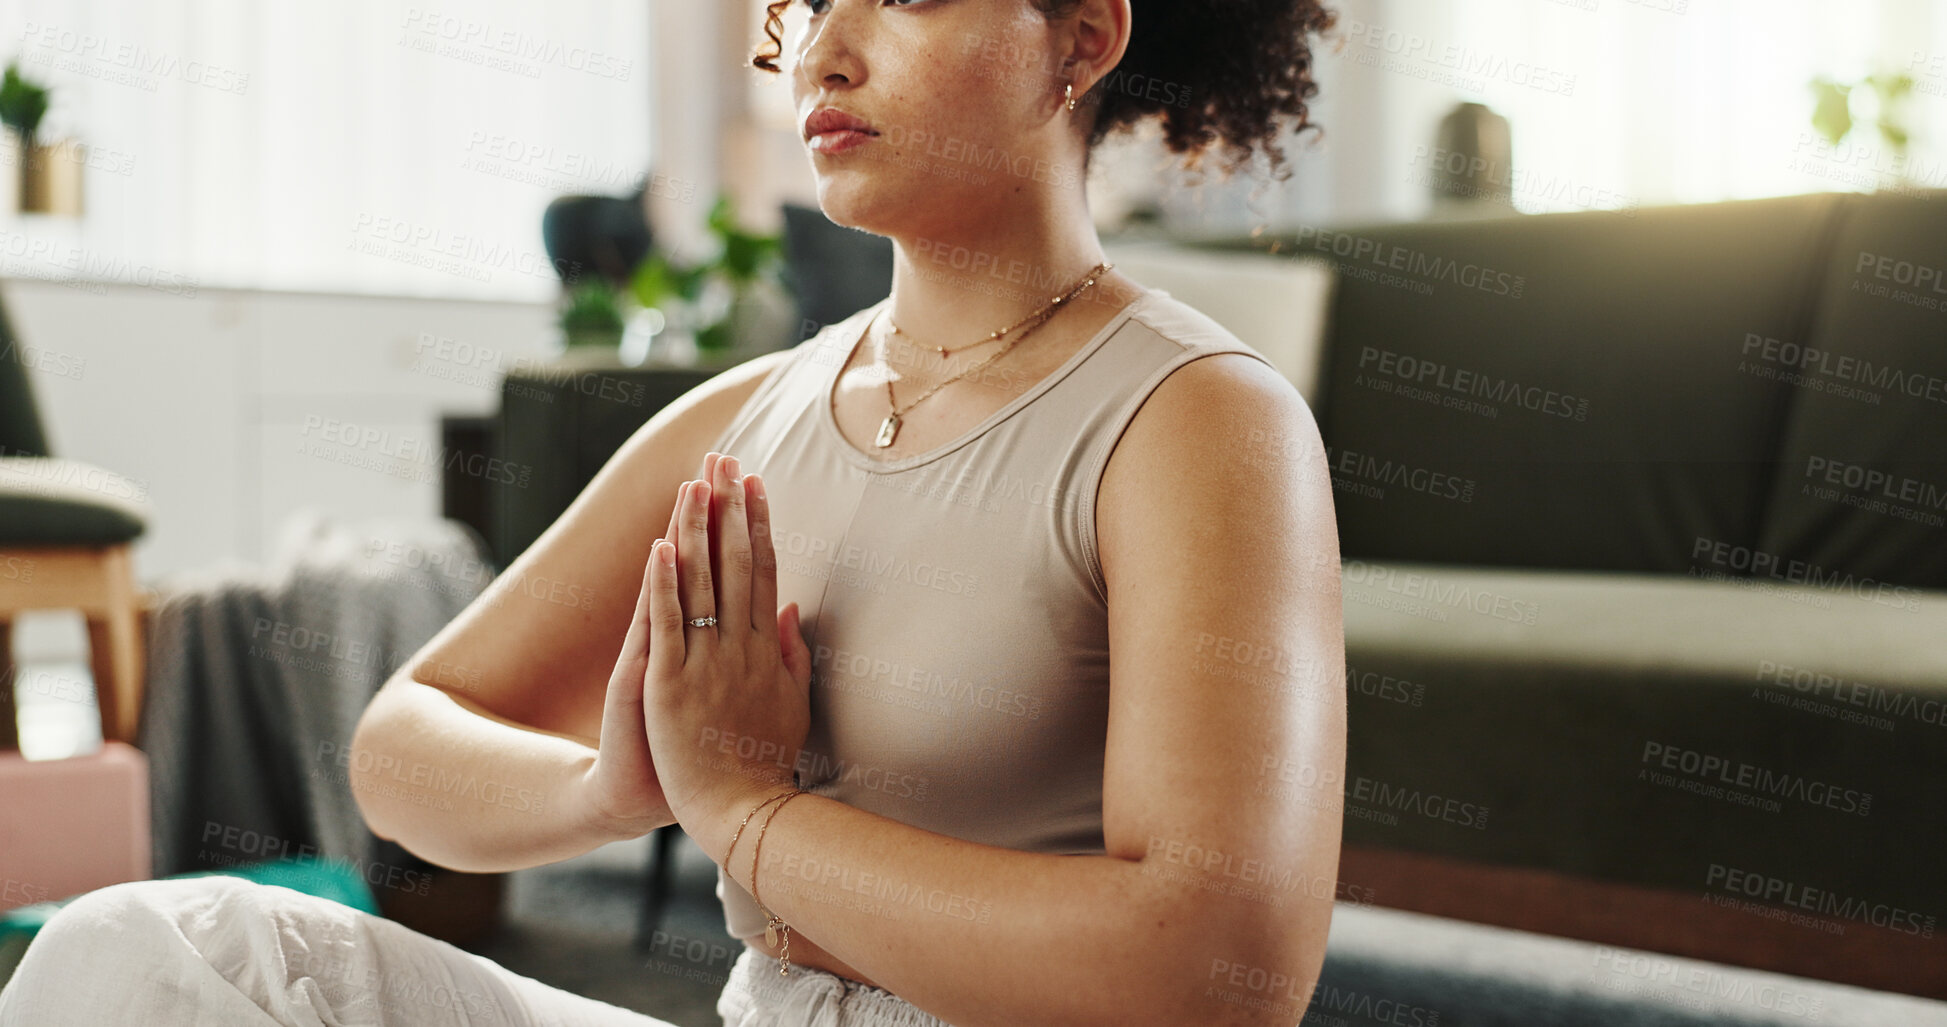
(703, 622)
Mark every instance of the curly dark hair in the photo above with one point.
(1237, 73)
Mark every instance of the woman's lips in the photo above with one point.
(841, 140)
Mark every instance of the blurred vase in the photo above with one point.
(47, 176)
(1473, 166)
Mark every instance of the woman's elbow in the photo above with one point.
(1251, 968)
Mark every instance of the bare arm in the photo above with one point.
(494, 774)
(1210, 546)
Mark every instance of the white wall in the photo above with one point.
(207, 398)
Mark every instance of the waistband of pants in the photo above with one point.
(855, 1003)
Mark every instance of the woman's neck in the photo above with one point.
(989, 273)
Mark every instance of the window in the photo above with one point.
(1619, 103)
(364, 146)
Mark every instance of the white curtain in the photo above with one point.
(1675, 101)
(1613, 104)
(366, 146)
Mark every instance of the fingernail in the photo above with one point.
(757, 486)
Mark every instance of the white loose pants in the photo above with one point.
(227, 952)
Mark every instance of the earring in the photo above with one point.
(1071, 96)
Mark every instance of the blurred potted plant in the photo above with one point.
(1834, 118)
(591, 315)
(45, 183)
(720, 306)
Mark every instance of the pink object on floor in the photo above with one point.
(72, 825)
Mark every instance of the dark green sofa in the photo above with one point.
(1642, 521)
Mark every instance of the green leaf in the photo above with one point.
(654, 282)
(723, 219)
(716, 337)
(1832, 114)
(591, 314)
(1891, 87)
(22, 103)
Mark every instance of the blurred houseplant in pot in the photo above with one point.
(1839, 111)
(591, 314)
(730, 306)
(48, 176)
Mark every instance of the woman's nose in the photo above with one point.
(829, 56)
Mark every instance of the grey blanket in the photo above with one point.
(257, 676)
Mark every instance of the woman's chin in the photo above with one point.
(847, 198)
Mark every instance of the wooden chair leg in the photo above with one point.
(100, 582)
(121, 697)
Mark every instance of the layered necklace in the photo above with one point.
(889, 428)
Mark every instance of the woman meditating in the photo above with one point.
(989, 641)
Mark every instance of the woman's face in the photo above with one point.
(963, 99)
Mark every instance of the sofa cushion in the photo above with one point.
(48, 501)
(1652, 729)
(21, 432)
(1862, 476)
(1386, 966)
(1274, 305)
(1560, 390)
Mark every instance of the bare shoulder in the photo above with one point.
(1220, 435)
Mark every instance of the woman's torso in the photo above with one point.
(952, 600)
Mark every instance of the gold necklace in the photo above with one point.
(889, 428)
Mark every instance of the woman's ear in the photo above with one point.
(1098, 38)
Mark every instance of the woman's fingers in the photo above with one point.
(708, 473)
(695, 584)
(675, 517)
(763, 555)
(635, 644)
(667, 642)
(732, 539)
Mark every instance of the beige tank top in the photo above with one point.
(953, 600)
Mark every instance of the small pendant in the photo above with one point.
(887, 430)
(770, 937)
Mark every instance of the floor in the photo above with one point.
(573, 925)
